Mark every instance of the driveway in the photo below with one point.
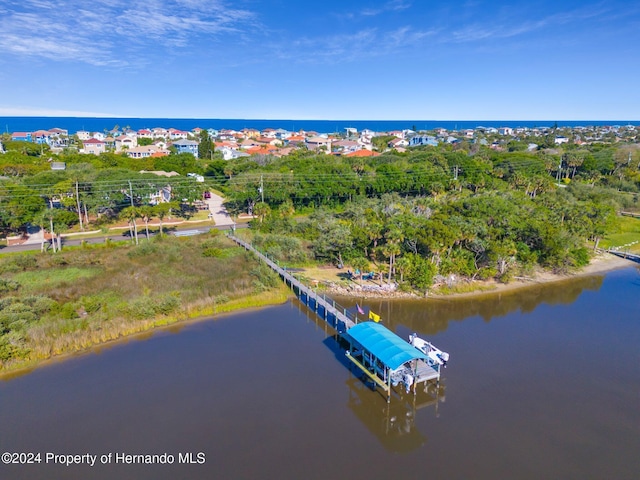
(218, 212)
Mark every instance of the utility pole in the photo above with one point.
(53, 235)
(131, 193)
(135, 226)
(262, 188)
(79, 210)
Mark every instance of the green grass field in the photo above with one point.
(627, 235)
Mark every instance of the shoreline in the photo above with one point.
(600, 264)
(147, 329)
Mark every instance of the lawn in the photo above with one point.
(626, 236)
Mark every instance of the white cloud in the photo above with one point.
(390, 6)
(107, 32)
(507, 28)
(366, 43)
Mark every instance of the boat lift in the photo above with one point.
(388, 360)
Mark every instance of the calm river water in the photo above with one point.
(542, 384)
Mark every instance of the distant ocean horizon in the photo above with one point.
(99, 124)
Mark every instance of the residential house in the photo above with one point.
(186, 146)
(163, 195)
(83, 135)
(318, 143)
(505, 131)
(398, 143)
(93, 146)
(21, 136)
(362, 153)
(248, 132)
(295, 140)
(419, 140)
(146, 151)
(559, 140)
(248, 143)
(283, 134)
(175, 134)
(269, 141)
(41, 137)
(159, 132)
(262, 150)
(125, 142)
(229, 153)
(61, 132)
(144, 133)
(345, 146)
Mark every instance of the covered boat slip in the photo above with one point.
(387, 359)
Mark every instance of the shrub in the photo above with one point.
(8, 285)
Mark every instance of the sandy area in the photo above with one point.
(335, 279)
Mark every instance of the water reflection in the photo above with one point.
(393, 424)
(431, 316)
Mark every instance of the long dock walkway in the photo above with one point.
(326, 308)
(630, 256)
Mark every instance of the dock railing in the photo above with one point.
(333, 313)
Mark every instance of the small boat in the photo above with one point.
(437, 356)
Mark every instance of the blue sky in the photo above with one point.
(393, 59)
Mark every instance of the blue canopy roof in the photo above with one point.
(381, 342)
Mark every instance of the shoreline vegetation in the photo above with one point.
(58, 305)
(603, 263)
(60, 339)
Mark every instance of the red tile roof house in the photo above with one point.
(145, 133)
(362, 153)
(21, 136)
(94, 146)
(175, 134)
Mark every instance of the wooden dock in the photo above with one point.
(326, 308)
(377, 352)
(629, 256)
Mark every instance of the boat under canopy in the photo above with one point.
(387, 359)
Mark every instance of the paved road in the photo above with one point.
(219, 214)
(68, 241)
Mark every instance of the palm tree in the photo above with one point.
(131, 213)
(161, 211)
(146, 213)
